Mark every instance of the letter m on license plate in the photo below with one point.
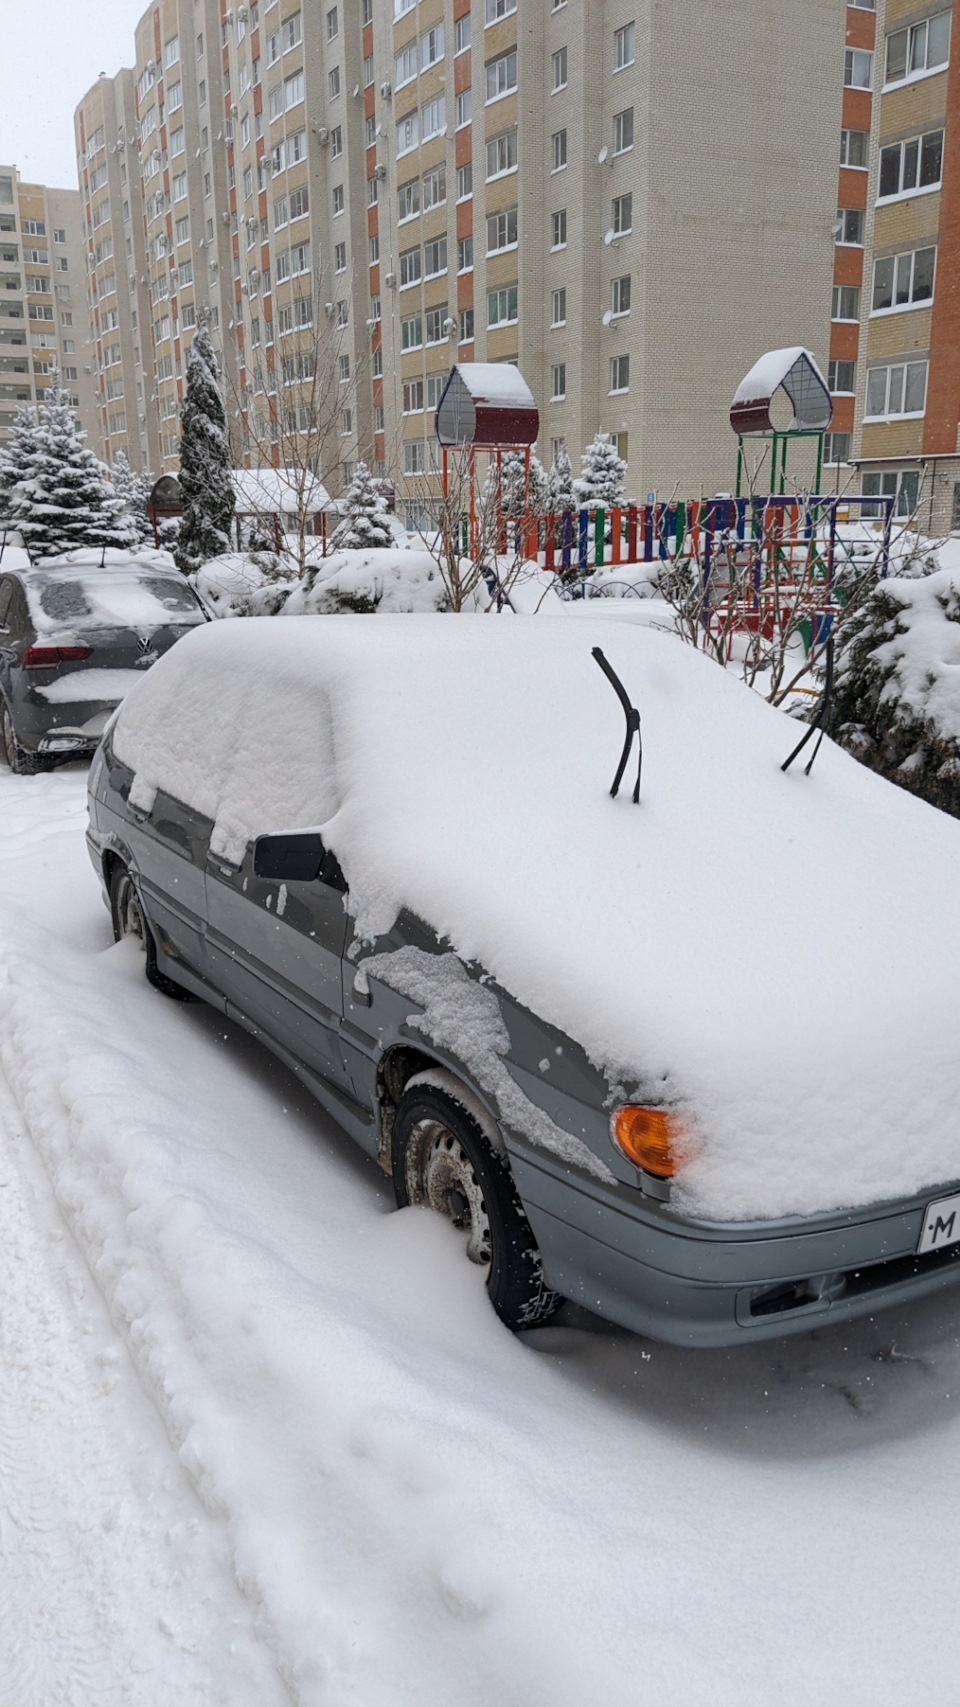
(941, 1225)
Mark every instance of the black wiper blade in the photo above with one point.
(632, 716)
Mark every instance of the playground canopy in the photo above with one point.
(278, 492)
(485, 405)
(794, 371)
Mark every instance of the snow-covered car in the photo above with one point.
(692, 1062)
(74, 638)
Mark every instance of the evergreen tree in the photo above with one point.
(15, 460)
(206, 484)
(518, 495)
(601, 479)
(62, 500)
(133, 491)
(365, 524)
(561, 494)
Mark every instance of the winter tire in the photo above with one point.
(441, 1158)
(20, 761)
(130, 920)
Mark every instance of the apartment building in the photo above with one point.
(850, 231)
(43, 321)
(115, 272)
(907, 419)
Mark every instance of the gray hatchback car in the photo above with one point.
(74, 638)
(204, 806)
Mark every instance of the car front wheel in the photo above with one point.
(442, 1159)
(130, 922)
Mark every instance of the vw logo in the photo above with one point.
(143, 642)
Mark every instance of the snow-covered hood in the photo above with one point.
(783, 950)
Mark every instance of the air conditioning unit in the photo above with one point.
(323, 135)
(328, 307)
(386, 90)
(226, 218)
(390, 280)
(380, 171)
(242, 14)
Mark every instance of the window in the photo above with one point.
(411, 332)
(924, 47)
(245, 135)
(367, 12)
(853, 147)
(464, 108)
(619, 373)
(502, 230)
(336, 142)
(434, 187)
(502, 75)
(332, 23)
(375, 309)
(435, 318)
(373, 192)
(911, 165)
(558, 67)
(374, 249)
(186, 272)
(378, 418)
(841, 376)
(408, 132)
(174, 97)
(413, 457)
(558, 151)
(836, 448)
(433, 118)
(340, 258)
(620, 295)
(406, 65)
(338, 199)
(181, 231)
(559, 381)
(368, 71)
(846, 302)
(622, 214)
(202, 93)
(902, 485)
(413, 397)
(180, 187)
(502, 154)
(464, 254)
(434, 257)
(342, 314)
(171, 52)
(377, 368)
(623, 131)
(849, 225)
(408, 198)
(901, 280)
(897, 390)
(435, 385)
(558, 229)
(344, 369)
(624, 42)
(857, 68)
(370, 129)
(497, 9)
(300, 258)
(346, 422)
(59, 234)
(333, 82)
(411, 267)
(281, 217)
(502, 306)
(431, 46)
(283, 268)
(63, 265)
(558, 308)
(462, 34)
(291, 32)
(465, 335)
(465, 181)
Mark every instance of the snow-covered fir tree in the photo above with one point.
(133, 491)
(206, 484)
(602, 474)
(561, 494)
(517, 495)
(365, 524)
(62, 499)
(15, 459)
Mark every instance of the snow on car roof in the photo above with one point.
(71, 595)
(771, 950)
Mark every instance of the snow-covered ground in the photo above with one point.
(262, 1439)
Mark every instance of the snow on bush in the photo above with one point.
(367, 581)
(245, 583)
(602, 474)
(366, 524)
(897, 693)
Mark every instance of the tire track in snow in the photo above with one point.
(114, 1587)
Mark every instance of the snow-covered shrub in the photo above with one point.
(243, 583)
(366, 524)
(602, 474)
(896, 703)
(368, 581)
(133, 491)
(560, 493)
(518, 495)
(206, 483)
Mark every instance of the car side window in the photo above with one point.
(6, 599)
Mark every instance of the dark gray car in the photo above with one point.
(73, 640)
(559, 1213)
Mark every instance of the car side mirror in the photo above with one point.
(295, 856)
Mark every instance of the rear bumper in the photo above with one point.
(700, 1284)
(76, 727)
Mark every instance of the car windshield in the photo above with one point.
(109, 600)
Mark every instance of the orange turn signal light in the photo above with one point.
(648, 1137)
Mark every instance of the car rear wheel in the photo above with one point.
(130, 923)
(442, 1159)
(20, 761)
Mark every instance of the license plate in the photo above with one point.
(941, 1225)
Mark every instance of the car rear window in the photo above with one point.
(110, 600)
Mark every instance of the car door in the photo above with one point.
(171, 849)
(275, 950)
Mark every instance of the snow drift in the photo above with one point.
(774, 947)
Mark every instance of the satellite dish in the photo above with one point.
(608, 317)
(608, 239)
(601, 157)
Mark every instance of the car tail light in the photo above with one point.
(651, 1138)
(48, 657)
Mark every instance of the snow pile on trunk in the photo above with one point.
(379, 579)
(770, 950)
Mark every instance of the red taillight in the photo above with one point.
(48, 657)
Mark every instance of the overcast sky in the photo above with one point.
(52, 50)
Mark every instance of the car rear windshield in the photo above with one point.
(110, 600)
